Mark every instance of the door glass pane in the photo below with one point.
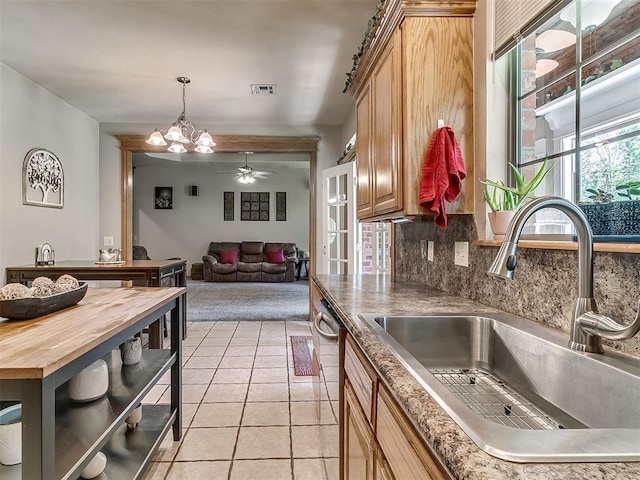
(342, 188)
(332, 189)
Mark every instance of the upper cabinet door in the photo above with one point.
(386, 157)
(363, 153)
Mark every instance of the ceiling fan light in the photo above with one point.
(175, 134)
(177, 147)
(156, 139)
(246, 179)
(205, 140)
(203, 149)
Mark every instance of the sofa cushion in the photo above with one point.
(252, 252)
(224, 268)
(275, 256)
(215, 247)
(274, 267)
(228, 256)
(288, 249)
(249, 267)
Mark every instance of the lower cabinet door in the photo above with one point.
(382, 470)
(408, 457)
(358, 441)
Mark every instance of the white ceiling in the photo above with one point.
(117, 60)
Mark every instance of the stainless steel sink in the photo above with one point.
(516, 389)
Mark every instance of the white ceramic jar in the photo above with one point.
(11, 435)
(90, 383)
(95, 467)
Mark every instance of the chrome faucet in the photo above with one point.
(588, 327)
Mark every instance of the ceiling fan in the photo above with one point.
(247, 174)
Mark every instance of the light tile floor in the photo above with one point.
(246, 415)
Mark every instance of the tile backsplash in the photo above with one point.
(545, 282)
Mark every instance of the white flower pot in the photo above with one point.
(499, 222)
(11, 435)
(91, 383)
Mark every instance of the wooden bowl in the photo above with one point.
(32, 307)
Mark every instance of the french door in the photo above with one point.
(339, 227)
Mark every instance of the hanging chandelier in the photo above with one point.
(183, 131)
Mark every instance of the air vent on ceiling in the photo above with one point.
(263, 89)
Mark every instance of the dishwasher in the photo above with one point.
(328, 334)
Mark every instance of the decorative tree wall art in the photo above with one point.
(164, 198)
(42, 179)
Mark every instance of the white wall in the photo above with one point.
(110, 189)
(186, 230)
(30, 116)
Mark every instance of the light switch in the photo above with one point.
(430, 250)
(108, 241)
(462, 254)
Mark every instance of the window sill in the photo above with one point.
(565, 245)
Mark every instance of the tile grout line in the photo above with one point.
(244, 405)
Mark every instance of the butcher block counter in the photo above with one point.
(39, 356)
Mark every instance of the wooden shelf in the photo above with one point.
(565, 245)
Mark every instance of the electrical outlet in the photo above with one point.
(430, 250)
(423, 249)
(108, 241)
(462, 254)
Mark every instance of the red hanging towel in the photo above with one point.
(442, 173)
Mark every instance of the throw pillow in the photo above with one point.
(228, 256)
(275, 256)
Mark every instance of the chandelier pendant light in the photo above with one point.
(183, 131)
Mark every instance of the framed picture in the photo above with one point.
(228, 206)
(254, 206)
(164, 198)
(281, 206)
(42, 179)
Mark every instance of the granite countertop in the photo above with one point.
(352, 295)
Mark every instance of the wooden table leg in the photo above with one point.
(155, 334)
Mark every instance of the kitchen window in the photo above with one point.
(576, 100)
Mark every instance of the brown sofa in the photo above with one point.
(252, 264)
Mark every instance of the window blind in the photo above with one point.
(515, 18)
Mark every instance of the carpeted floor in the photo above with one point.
(236, 301)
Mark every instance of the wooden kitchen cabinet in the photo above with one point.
(405, 452)
(383, 445)
(363, 154)
(358, 439)
(381, 468)
(417, 69)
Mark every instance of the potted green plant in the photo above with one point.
(504, 200)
